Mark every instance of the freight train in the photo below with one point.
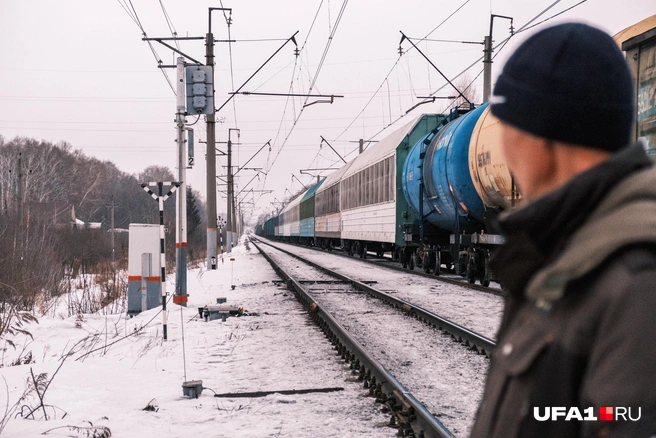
(429, 192)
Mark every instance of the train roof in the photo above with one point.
(293, 203)
(334, 177)
(312, 190)
(381, 150)
(635, 30)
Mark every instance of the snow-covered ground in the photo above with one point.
(470, 308)
(445, 376)
(278, 350)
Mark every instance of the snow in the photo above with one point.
(470, 308)
(278, 350)
(445, 376)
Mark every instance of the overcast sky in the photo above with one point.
(77, 71)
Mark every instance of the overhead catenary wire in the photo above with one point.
(170, 25)
(132, 13)
(232, 71)
(394, 66)
(127, 10)
(312, 85)
(497, 48)
(299, 52)
(553, 16)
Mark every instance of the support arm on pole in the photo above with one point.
(249, 160)
(331, 147)
(292, 38)
(304, 186)
(404, 37)
(159, 40)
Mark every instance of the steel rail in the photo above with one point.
(408, 413)
(459, 333)
(396, 267)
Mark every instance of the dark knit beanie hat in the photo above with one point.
(568, 83)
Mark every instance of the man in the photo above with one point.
(579, 264)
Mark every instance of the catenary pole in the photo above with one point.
(181, 213)
(211, 163)
(231, 221)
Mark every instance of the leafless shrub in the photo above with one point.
(10, 409)
(90, 431)
(152, 406)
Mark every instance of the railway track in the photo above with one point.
(410, 416)
(389, 264)
(470, 308)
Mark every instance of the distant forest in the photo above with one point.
(55, 218)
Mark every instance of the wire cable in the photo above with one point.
(553, 16)
(192, 124)
(169, 23)
(232, 71)
(316, 76)
(390, 72)
(499, 46)
(127, 10)
(132, 13)
(282, 120)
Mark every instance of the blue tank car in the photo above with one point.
(437, 183)
(450, 200)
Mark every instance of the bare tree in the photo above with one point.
(468, 89)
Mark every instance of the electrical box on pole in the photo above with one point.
(200, 99)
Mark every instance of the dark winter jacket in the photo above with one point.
(579, 326)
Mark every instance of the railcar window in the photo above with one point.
(386, 178)
(377, 180)
(372, 185)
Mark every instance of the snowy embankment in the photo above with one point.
(107, 379)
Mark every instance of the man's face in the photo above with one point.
(530, 160)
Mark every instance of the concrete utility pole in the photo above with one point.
(112, 206)
(487, 67)
(231, 218)
(211, 161)
(181, 296)
(487, 57)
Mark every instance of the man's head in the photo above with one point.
(567, 86)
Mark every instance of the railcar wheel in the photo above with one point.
(412, 262)
(471, 277)
(364, 251)
(487, 273)
(461, 267)
(471, 270)
(428, 264)
(438, 262)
